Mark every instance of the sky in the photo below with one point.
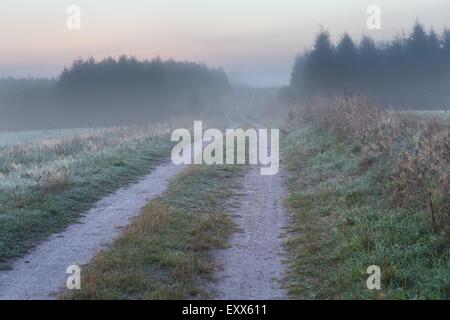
(254, 41)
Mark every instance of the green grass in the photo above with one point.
(8, 138)
(343, 222)
(164, 253)
(46, 185)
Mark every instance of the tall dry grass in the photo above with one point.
(412, 152)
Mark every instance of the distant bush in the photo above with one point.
(406, 72)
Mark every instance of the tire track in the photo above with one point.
(42, 273)
(252, 268)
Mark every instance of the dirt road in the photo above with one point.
(252, 267)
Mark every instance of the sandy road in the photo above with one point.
(252, 267)
(42, 273)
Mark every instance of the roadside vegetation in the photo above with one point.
(368, 187)
(164, 253)
(46, 184)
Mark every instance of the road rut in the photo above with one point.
(252, 267)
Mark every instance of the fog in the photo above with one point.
(408, 71)
(113, 92)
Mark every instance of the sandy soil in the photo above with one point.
(42, 273)
(252, 267)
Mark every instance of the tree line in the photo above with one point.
(407, 72)
(112, 91)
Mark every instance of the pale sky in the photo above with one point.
(255, 41)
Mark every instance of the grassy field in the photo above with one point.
(442, 114)
(365, 195)
(47, 182)
(8, 138)
(164, 253)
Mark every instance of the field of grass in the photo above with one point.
(438, 113)
(164, 253)
(372, 198)
(8, 138)
(46, 182)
